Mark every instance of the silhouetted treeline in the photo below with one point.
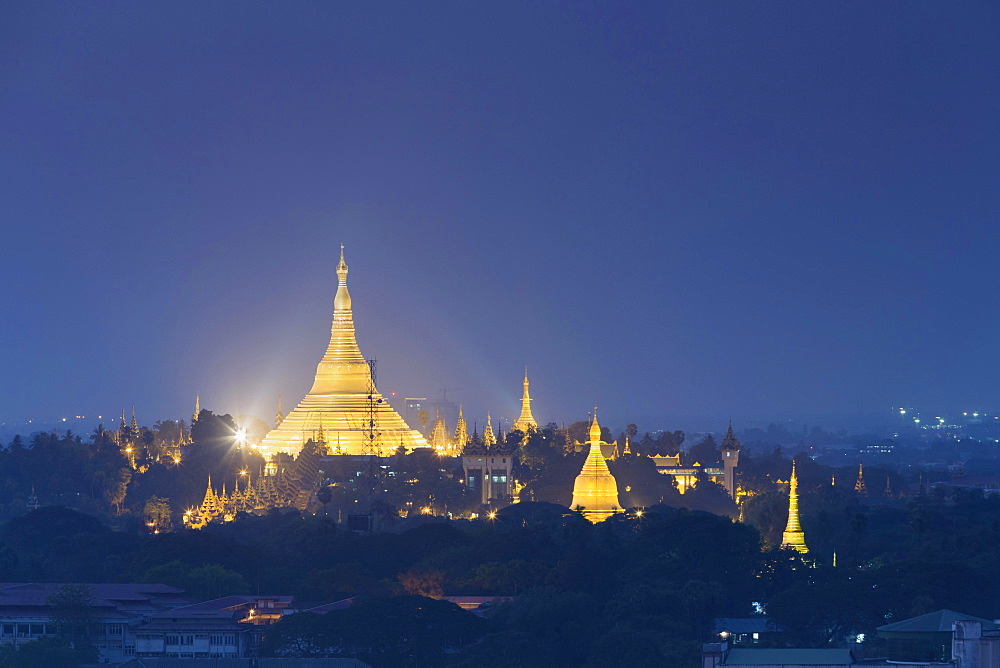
(644, 586)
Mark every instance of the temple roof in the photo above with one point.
(933, 622)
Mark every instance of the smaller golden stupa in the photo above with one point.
(595, 491)
(793, 536)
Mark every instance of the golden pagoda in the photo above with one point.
(439, 433)
(595, 490)
(339, 398)
(279, 417)
(859, 485)
(526, 421)
(488, 437)
(793, 536)
(461, 431)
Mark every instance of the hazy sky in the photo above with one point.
(680, 212)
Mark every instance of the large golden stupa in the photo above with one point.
(595, 490)
(337, 407)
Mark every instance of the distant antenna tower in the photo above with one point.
(372, 447)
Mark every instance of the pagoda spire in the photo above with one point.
(488, 437)
(343, 392)
(439, 433)
(526, 421)
(197, 409)
(279, 417)
(461, 431)
(595, 490)
(859, 485)
(793, 536)
(134, 426)
(888, 488)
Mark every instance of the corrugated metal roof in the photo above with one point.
(933, 622)
(777, 657)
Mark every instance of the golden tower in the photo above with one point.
(279, 417)
(461, 431)
(595, 490)
(488, 437)
(439, 433)
(197, 409)
(526, 421)
(793, 536)
(859, 485)
(340, 397)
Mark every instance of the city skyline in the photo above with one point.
(681, 214)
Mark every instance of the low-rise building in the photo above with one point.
(114, 611)
(227, 628)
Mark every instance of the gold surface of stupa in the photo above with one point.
(339, 399)
(793, 536)
(595, 490)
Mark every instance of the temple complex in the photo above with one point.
(793, 536)
(595, 490)
(488, 470)
(341, 396)
(526, 421)
(686, 475)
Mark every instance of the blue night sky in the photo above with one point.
(680, 212)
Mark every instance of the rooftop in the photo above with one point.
(933, 622)
(797, 657)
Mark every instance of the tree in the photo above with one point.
(506, 649)
(116, 488)
(214, 581)
(422, 582)
(302, 635)
(71, 612)
(157, 515)
(625, 649)
(706, 451)
(46, 653)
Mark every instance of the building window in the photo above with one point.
(114, 629)
(8, 629)
(22, 630)
(173, 640)
(38, 629)
(187, 640)
(231, 640)
(129, 650)
(216, 640)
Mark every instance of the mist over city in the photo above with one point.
(597, 334)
